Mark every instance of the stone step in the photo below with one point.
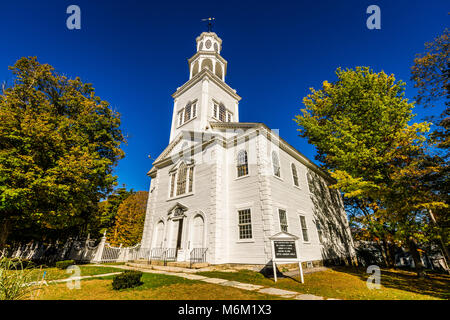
(171, 266)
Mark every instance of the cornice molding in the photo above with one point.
(208, 53)
(206, 74)
(213, 34)
(163, 161)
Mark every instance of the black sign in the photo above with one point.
(285, 249)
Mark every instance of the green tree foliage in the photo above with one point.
(431, 76)
(59, 143)
(130, 220)
(359, 125)
(105, 218)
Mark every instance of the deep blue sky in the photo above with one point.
(135, 52)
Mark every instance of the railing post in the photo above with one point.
(99, 252)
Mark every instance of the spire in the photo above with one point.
(210, 22)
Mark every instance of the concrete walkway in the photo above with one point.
(73, 278)
(235, 284)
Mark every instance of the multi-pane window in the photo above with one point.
(294, 175)
(276, 164)
(304, 228)
(187, 113)
(215, 110)
(180, 118)
(283, 220)
(191, 178)
(172, 184)
(319, 231)
(194, 110)
(222, 112)
(229, 116)
(181, 182)
(242, 163)
(245, 224)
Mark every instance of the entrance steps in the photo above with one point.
(170, 266)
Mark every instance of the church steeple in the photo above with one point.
(205, 97)
(208, 56)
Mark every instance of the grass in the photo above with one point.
(350, 284)
(154, 287)
(56, 274)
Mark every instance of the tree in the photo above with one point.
(130, 220)
(431, 76)
(105, 217)
(359, 125)
(59, 144)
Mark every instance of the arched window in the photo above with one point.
(172, 184)
(181, 182)
(207, 63)
(242, 163)
(294, 175)
(191, 178)
(276, 164)
(219, 70)
(195, 69)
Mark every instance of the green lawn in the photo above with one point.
(350, 283)
(337, 282)
(55, 273)
(154, 287)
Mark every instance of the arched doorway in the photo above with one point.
(159, 235)
(198, 234)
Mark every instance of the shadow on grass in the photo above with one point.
(436, 285)
(267, 273)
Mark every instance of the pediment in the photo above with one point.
(177, 211)
(283, 236)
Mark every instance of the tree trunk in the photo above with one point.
(420, 268)
(4, 232)
(442, 240)
(387, 253)
(383, 252)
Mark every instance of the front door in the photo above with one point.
(179, 234)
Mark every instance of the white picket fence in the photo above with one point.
(82, 251)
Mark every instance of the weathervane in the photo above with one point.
(209, 23)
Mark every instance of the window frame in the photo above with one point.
(319, 231)
(295, 177)
(190, 179)
(303, 229)
(238, 164)
(172, 184)
(273, 165)
(239, 224)
(244, 206)
(182, 113)
(189, 184)
(286, 219)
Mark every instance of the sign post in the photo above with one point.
(284, 250)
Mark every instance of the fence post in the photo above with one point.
(99, 252)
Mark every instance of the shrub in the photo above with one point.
(127, 279)
(15, 279)
(64, 264)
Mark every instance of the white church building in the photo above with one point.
(222, 187)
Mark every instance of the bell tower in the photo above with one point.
(205, 97)
(208, 56)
